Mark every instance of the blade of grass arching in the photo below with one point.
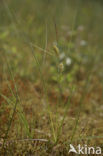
(14, 110)
(16, 95)
(39, 48)
(20, 112)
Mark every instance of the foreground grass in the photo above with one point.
(51, 78)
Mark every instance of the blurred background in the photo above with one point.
(75, 25)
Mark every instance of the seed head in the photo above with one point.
(61, 67)
(56, 50)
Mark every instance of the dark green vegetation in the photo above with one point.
(51, 76)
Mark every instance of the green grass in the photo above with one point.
(47, 103)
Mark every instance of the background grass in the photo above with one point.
(51, 87)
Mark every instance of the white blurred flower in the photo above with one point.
(68, 61)
(83, 43)
(62, 56)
